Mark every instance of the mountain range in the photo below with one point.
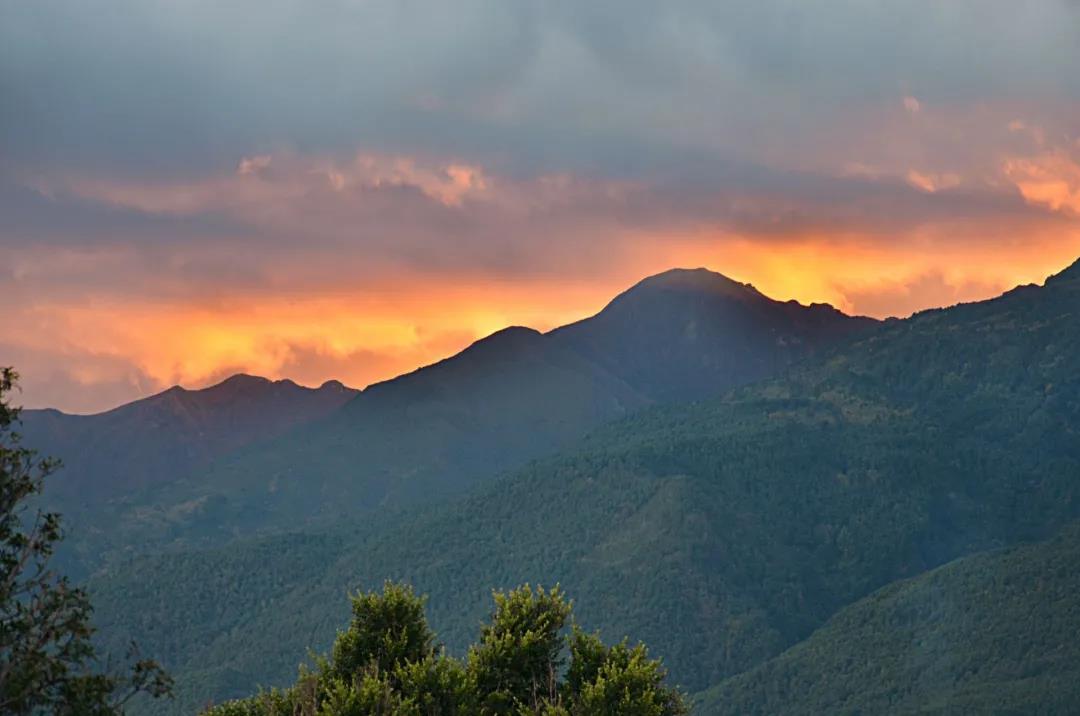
(250, 456)
(169, 435)
(798, 510)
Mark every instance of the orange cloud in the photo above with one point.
(357, 337)
(860, 276)
(1051, 179)
(363, 335)
(365, 268)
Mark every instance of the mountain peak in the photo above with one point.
(241, 380)
(685, 334)
(509, 336)
(696, 279)
(334, 385)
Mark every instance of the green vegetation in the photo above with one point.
(191, 469)
(47, 661)
(720, 533)
(387, 662)
(991, 633)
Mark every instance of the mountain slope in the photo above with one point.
(722, 532)
(427, 434)
(511, 397)
(168, 435)
(692, 334)
(991, 633)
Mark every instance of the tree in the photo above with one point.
(617, 680)
(387, 664)
(47, 661)
(519, 654)
(387, 631)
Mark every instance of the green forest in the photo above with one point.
(539, 358)
(859, 513)
(990, 633)
(721, 533)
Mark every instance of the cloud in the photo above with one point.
(916, 292)
(347, 189)
(932, 182)
(152, 83)
(1050, 179)
(364, 267)
(252, 165)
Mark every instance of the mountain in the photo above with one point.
(721, 532)
(168, 435)
(690, 334)
(991, 633)
(438, 431)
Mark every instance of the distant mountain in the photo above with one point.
(426, 435)
(436, 432)
(722, 532)
(158, 439)
(691, 334)
(991, 633)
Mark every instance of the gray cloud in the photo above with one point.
(157, 84)
(290, 229)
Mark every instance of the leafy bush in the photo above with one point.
(386, 664)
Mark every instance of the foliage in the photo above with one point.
(434, 685)
(202, 468)
(518, 657)
(990, 633)
(721, 533)
(514, 669)
(617, 680)
(387, 630)
(47, 661)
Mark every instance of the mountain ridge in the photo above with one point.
(172, 432)
(722, 532)
(669, 335)
(512, 396)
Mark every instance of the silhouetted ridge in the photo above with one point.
(243, 380)
(1070, 274)
(239, 386)
(165, 436)
(500, 346)
(334, 385)
(686, 334)
(511, 338)
(698, 280)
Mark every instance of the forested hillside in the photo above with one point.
(991, 633)
(184, 469)
(720, 533)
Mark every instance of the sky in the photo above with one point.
(349, 189)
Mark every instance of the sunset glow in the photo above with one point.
(301, 216)
(361, 336)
